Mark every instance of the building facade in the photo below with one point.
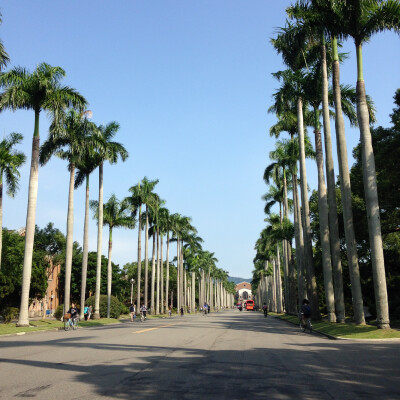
(243, 292)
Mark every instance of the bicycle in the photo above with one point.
(307, 326)
(142, 317)
(71, 323)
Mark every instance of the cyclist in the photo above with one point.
(73, 311)
(265, 309)
(305, 311)
(143, 311)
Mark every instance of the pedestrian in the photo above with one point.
(86, 312)
(181, 311)
(170, 311)
(89, 312)
(132, 310)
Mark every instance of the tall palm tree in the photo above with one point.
(148, 198)
(38, 91)
(163, 222)
(107, 150)
(136, 202)
(141, 195)
(361, 20)
(67, 140)
(314, 18)
(85, 166)
(10, 161)
(293, 88)
(115, 215)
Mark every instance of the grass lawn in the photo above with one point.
(348, 330)
(47, 324)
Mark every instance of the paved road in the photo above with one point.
(226, 355)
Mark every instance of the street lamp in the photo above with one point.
(132, 282)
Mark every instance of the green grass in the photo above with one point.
(48, 324)
(348, 330)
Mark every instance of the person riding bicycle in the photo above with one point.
(305, 311)
(143, 310)
(265, 309)
(73, 311)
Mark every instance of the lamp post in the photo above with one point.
(132, 282)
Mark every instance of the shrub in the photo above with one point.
(115, 306)
(59, 312)
(124, 309)
(10, 313)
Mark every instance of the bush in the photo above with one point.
(124, 309)
(10, 313)
(59, 312)
(115, 306)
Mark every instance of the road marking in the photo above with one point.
(153, 329)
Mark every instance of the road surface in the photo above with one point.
(225, 355)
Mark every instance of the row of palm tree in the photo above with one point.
(309, 45)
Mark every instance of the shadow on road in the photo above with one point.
(303, 369)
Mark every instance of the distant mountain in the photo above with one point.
(236, 280)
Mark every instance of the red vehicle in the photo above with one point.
(249, 305)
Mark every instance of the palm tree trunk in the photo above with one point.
(178, 305)
(371, 200)
(345, 186)
(274, 290)
(1, 214)
(85, 251)
(96, 314)
(109, 273)
(193, 291)
(167, 272)
(158, 273)
(324, 225)
(278, 281)
(308, 253)
(23, 319)
(330, 178)
(161, 277)
(153, 274)
(139, 261)
(146, 260)
(69, 241)
(298, 234)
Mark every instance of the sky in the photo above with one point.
(190, 84)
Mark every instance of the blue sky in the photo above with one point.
(190, 84)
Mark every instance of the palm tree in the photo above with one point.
(361, 20)
(37, 91)
(10, 161)
(115, 216)
(67, 140)
(292, 88)
(107, 151)
(85, 166)
(314, 19)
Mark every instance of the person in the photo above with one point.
(73, 311)
(132, 310)
(205, 308)
(143, 310)
(181, 311)
(305, 311)
(89, 312)
(170, 311)
(265, 309)
(86, 312)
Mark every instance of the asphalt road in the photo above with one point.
(225, 355)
